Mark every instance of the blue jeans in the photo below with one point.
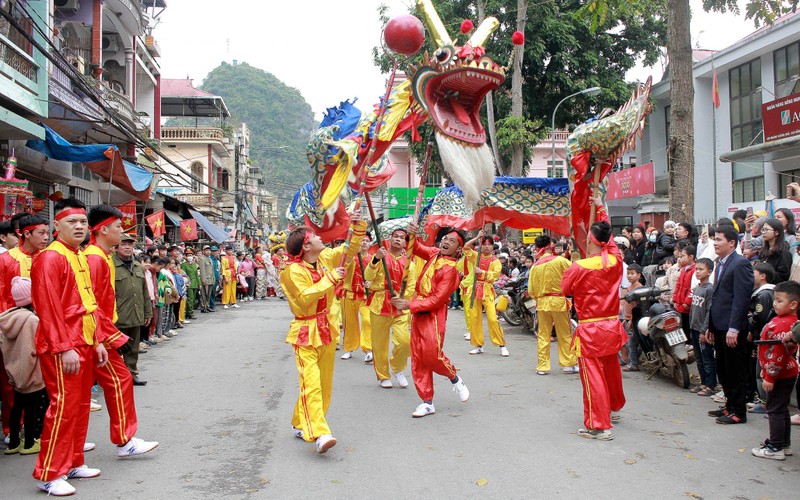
(706, 365)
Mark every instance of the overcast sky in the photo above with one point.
(324, 47)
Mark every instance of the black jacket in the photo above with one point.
(665, 246)
(638, 252)
(761, 309)
(731, 300)
(781, 262)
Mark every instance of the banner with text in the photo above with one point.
(631, 182)
(781, 118)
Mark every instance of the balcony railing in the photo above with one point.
(16, 50)
(200, 134)
(194, 199)
(135, 10)
(120, 103)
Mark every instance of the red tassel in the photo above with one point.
(466, 26)
(518, 38)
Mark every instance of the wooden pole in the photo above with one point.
(379, 242)
(595, 192)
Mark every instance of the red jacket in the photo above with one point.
(777, 360)
(682, 297)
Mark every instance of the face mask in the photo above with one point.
(652, 238)
(190, 258)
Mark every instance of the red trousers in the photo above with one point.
(67, 417)
(117, 384)
(6, 397)
(427, 357)
(602, 390)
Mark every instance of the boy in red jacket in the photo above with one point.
(779, 370)
(682, 297)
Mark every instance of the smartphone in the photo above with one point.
(749, 210)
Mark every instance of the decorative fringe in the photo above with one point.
(470, 167)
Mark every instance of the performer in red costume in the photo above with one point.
(68, 338)
(105, 223)
(34, 235)
(594, 283)
(436, 281)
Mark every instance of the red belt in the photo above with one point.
(552, 295)
(313, 316)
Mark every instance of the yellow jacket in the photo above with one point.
(309, 290)
(466, 267)
(380, 297)
(544, 283)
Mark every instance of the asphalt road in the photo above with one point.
(220, 397)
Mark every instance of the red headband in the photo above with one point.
(603, 249)
(32, 227)
(460, 239)
(104, 222)
(70, 211)
(306, 239)
(541, 251)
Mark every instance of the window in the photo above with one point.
(748, 182)
(745, 90)
(787, 70)
(787, 178)
(81, 171)
(197, 171)
(618, 223)
(555, 168)
(83, 195)
(434, 178)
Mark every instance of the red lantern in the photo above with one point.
(404, 34)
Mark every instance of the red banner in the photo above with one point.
(156, 223)
(128, 210)
(781, 118)
(188, 230)
(631, 182)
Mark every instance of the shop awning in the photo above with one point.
(103, 159)
(175, 218)
(213, 231)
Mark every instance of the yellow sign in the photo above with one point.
(529, 235)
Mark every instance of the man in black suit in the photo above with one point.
(733, 285)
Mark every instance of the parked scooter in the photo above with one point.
(513, 304)
(661, 337)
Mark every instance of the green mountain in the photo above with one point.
(280, 122)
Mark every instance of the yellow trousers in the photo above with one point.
(335, 320)
(356, 332)
(401, 338)
(467, 301)
(229, 293)
(182, 311)
(495, 330)
(566, 357)
(315, 371)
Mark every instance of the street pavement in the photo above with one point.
(220, 396)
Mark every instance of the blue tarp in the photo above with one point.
(213, 231)
(102, 159)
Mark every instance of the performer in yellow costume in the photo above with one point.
(229, 278)
(384, 317)
(354, 305)
(309, 282)
(466, 266)
(488, 270)
(544, 286)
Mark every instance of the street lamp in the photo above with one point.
(589, 91)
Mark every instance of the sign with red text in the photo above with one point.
(631, 182)
(781, 118)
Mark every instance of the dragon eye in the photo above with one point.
(441, 54)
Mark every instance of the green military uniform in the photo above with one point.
(191, 271)
(133, 305)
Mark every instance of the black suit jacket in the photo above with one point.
(731, 299)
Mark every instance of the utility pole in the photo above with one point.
(236, 194)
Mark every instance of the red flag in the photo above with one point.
(715, 89)
(188, 230)
(156, 223)
(128, 210)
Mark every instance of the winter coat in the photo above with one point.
(18, 325)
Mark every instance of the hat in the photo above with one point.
(189, 250)
(622, 241)
(503, 256)
(229, 247)
(669, 223)
(21, 290)
(214, 248)
(128, 237)
(206, 247)
(650, 229)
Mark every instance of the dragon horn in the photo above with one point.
(434, 23)
(484, 31)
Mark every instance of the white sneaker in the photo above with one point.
(504, 351)
(386, 384)
(347, 355)
(477, 350)
(83, 472)
(174, 333)
(401, 379)
(461, 390)
(604, 435)
(423, 410)
(615, 416)
(466, 336)
(766, 452)
(6, 440)
(788, 451)
(236, 306)
(298, 433)
(58, 487)
(95, 406)
(225, 306)
(325, 442)
(570, 369)
(136, 446)
(87, 446)
(368, 357)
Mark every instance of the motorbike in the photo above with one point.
(514, 304)
(661, 337)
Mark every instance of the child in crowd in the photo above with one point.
(633, 313)
(698, 326)
(165, 294)
(18, 326)
(761, 312)
(682, 296)
(779, 371)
